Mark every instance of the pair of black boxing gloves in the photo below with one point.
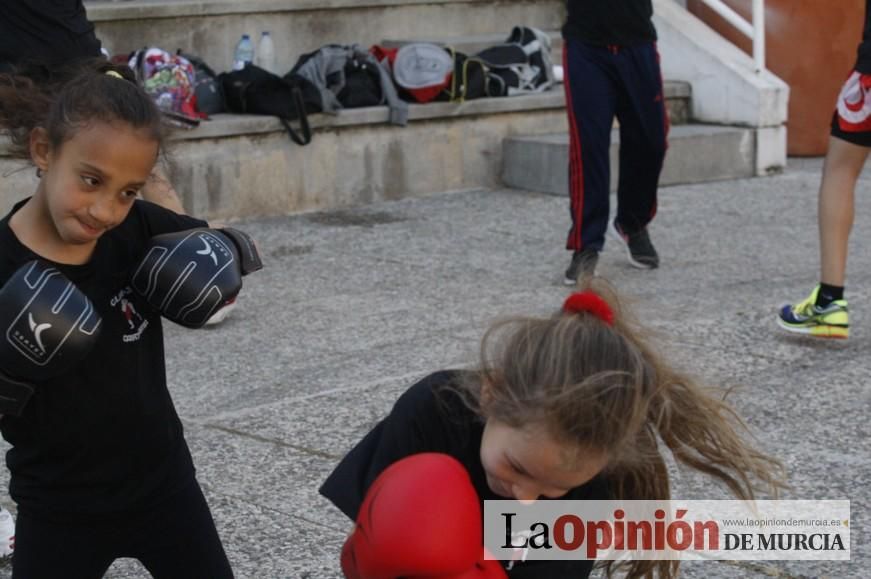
(48, 325)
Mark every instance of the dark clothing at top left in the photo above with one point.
(50, 32)
(431, 417)
(104, 440)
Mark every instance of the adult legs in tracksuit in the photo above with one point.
(601, 83)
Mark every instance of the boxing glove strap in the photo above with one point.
(249, 257)
(14, 395)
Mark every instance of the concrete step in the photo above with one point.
(211, 28)
(696, 153)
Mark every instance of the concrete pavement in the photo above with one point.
(354, 305)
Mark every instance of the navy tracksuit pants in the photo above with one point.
(602, 82)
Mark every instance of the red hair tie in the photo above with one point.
(591, 303)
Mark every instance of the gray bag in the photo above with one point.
(422, 70)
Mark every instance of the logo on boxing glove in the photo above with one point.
(53, 316)
(209, 251)
(37, 330)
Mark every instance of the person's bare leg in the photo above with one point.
(159, 190)
(844, 162)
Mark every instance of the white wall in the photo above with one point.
(726, 88)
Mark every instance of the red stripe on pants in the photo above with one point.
(576, 163)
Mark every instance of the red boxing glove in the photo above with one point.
(421, 518)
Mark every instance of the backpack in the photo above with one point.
(253, 90)
(208, 91)
(169, 79)
(522, 64)
(362, 84)
(345, 76)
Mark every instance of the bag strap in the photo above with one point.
(453, 88)
(479, 63)
(304, 137)
(139, 65)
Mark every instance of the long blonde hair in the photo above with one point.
(601, 385)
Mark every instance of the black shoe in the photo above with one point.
(638, 247)
(583, 263)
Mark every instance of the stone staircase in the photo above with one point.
(243, 166)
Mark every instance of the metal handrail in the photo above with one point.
(755, 31)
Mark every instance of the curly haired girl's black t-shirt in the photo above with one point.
(104, 439)
(431, 417)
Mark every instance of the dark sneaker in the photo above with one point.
(583, 263)
(639, 249)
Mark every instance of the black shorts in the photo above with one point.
(851, 121)
(861, 138)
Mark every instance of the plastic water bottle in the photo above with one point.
(266, 52)
(244, 53)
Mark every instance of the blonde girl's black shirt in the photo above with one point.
(610, 22)
(431, 417)
(104, 439)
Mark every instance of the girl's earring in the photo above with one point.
(38, 173)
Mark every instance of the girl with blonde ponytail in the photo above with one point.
(575, 406)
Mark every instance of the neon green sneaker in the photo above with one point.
(832, 321)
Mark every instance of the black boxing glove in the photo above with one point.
(48, 326)
(190, 275)
(249, 257)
